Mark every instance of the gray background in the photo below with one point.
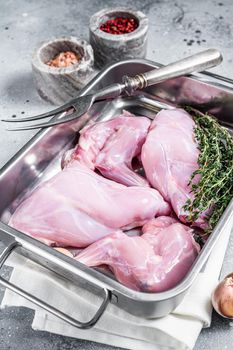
(177, 28)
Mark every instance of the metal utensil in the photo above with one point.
(80, 105)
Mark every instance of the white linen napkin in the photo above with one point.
(179, 330)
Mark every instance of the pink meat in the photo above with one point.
(77, 207)
(154, 262)
(110, 147)
(169, 157)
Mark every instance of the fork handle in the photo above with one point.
(111, 91)
(195, 63)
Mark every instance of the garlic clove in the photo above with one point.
(222, 297)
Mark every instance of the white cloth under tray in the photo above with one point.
(178, 330)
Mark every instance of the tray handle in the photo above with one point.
(64, 317)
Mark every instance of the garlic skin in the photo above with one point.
(222, 297)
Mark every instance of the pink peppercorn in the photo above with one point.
(119, 25)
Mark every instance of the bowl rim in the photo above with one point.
(86, 61)
(96, 20)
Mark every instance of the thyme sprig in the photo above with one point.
(214, 190)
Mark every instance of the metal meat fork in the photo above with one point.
(80, 105)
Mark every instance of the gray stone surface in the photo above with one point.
(177, 28)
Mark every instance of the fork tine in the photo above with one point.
(43, 115)
(65, 119)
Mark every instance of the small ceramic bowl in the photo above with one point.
(58, 85)
(108, 47)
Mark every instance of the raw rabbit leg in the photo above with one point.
(77, 207)
(110, 147)
(154, 262)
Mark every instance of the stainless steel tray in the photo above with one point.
(39, 159)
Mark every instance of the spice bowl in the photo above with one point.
(61, 67)
(113, 38)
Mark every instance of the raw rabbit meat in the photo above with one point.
(77, 207)
(169, 156)
(111, 145)
(154, 262)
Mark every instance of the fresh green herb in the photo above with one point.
(214, 190)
